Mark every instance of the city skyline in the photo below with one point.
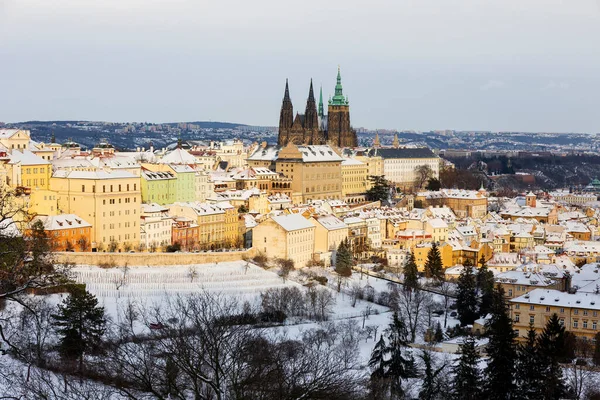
(411, 66)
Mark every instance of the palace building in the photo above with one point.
(314, 127)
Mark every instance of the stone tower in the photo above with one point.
(311, 119)
(286, 117)
(339, 131)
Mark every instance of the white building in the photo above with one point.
(155, 226)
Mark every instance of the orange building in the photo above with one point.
(67, 232)
(186, 233)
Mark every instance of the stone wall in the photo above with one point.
(152, 259)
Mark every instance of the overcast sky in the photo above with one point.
(527, 65)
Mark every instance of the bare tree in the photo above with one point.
(192, 272)
(83, 243)
(26, 261)
(356, 292)
(413, 306)
(579, 377)
(422, 174)
(121, 279)
(446, 290)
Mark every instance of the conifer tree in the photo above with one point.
(379, 190)
(432, 382)
(596, 356)
(466, 297)
(343, 260)
(501, 350)
(389, 365)
(80, 322)
(467, 377)
(434, 268)
(530, 379)
(438, 336)
(551, 344)
(411, 273)
(399, 366)
(485, 285)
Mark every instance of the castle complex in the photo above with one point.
(314, 127)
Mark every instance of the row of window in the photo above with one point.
(35, 170)
(561, 310)
(114, 201)
(118, 238)
(110, 187)
(125, 225)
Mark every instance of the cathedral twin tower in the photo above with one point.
(314, 127)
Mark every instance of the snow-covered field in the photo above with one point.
(242, 280)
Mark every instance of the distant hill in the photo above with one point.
(209, 124)
(201, 124)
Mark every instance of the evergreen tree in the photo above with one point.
(438, 336)
(343, 260)
(80, 322)
(434, 268)
(551, 344)
(388, 362)
(596, 356)
(466, 297)
(432, 382)
(467, 377)
(399, 366)
(501, 351)
(411, 273)
(530, 379)
(485, 285)
(380, 189)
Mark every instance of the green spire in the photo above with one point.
(338, 98)
(321, 112)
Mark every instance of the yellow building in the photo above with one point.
(14, 139)
(315, 171)
(354, 180)
(330, 231)
(217, 223)
(438, 228)
(421, 251)
(464, 203)
(28, 171)
(110, 201)
(518, 283)
(578, 313)
(43, 202)
(288, 236)
(373, 162)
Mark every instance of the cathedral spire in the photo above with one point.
(321, 112)
(376, 142)
(286, 96)
(311, 94)
(338, 98)
(396, 142)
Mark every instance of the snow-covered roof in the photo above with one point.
(156, 175)
(331, 222)
(63, 221)
(178, 156)
(557, 298)
(153, 208)
(352, 161)
(97, 175)
(26, 158)
(180, 169)
(292, 222)
(524, 278)
(7, 133)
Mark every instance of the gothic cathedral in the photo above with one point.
(314, 127)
